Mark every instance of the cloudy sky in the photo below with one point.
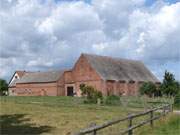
(45, 34)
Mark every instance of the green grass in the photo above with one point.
(63, 115)
(170, 125)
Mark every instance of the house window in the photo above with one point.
(16, 77)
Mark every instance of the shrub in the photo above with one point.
(112, 100)
(177, 100)
(148, 88)
(90, 93)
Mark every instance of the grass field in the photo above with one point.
(170, 125)
(62, 115)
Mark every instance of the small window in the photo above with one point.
(131, 81)
(16, 77)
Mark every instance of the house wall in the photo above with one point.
(15, 77)
(11, 91)
(36, 89)
(60, 87)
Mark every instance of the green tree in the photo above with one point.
(148, 88)
(169, 87)
(91, 94)
(3, 87)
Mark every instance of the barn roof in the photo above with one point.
(120, 69)
(40, 77)
(20, 74)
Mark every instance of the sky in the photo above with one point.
(41, 35)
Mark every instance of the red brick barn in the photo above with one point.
(106, 74)
(37, 84)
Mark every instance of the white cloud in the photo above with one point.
(40, 62)
(70, 18)
(42, 35)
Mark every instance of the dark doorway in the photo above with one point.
(70, 91)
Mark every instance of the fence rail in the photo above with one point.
(163, 110)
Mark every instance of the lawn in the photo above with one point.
(61, 115)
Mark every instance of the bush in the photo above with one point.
(148, 88)
(90, 93)
(177, 100)
(112, 100)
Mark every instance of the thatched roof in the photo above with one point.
(120, 69)
(41, 77)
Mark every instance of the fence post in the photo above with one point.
(94, 132)
(92, 125)
(168, 108)
(151, 117)
(164, 110)
(172, 107)
(130, 132)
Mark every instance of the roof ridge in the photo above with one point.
(110, 57)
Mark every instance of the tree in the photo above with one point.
(91, 94)
(3, 87)
(169, 87)
(148, 88)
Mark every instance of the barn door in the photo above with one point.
(70, 91)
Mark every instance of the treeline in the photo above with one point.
(169, 87)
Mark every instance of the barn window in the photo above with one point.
(122, 81)
(131, 81)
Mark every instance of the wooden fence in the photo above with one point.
(163, 110)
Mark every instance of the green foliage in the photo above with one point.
(3, 87)
(148, 88)
(112, 100)
(90, 93)
(169, 87)
(177, 100)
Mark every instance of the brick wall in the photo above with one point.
(36, 89)
(82, 73)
